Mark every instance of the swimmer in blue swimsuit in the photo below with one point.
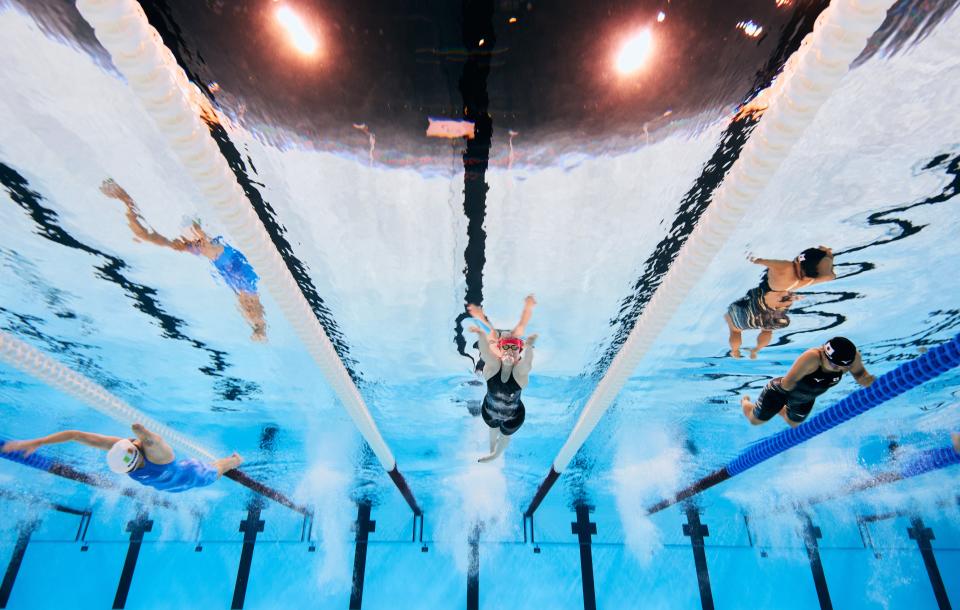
(147, 458)
(229, 262)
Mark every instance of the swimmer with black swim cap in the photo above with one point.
(764, 308)
(816, 370)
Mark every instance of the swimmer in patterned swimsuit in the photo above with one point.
(232, 265)
(507, 365)
(147, 459)
(816, 370)
(764, 308)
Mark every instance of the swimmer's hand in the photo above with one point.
(531, 340)
(475, 311)
(26, 447)
(530, 300)
(478, 330)
(112, 189)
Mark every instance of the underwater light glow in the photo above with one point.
(634, 52)
(297, 30)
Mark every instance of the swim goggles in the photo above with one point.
(510, 344)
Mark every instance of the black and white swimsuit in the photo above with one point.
(502, 407)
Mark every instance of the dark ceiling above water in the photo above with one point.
(545, 68)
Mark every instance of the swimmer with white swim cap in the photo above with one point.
(147, 459)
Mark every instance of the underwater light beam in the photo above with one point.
(297, 30)
(634, 52)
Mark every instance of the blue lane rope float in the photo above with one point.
(909, 375)
(927, 461)
(890, 385)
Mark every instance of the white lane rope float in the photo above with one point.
(809, 76)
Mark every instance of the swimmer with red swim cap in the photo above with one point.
(507, 360)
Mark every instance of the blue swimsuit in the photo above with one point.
(175, 476)
(233, 267)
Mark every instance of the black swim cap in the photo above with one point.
(809, 259)
(840, 351)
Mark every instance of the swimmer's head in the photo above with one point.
(815, 262)
(840, 351)
(510, 347)
(123, 456)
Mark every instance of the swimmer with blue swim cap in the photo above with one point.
(230, 263)
(506, 359)
(147, 458)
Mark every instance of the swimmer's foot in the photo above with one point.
(747, 406)
(487, 458)
(259, 335)
(955, 437)
(735, 353)
(753, 353)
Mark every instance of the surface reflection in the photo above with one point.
(764, 308)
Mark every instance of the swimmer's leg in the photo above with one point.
(502, 442)
(494, 435)
(763, 340)
(520, 329)
(252, 310)
(228, 463)
(735, 338)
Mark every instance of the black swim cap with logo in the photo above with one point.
(840, 351)
(809, 259)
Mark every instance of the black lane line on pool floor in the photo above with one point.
(811, 534)
(477, 25)
(161, 17)
(697, 531)
(923, 535)
(16, 560)
(137, 528)
(473, 569)
(584, 530)
(145, 300)
(363, 527)
(251, 526)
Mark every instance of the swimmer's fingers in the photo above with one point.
(530, 300)
(25, 447)
(476, 329)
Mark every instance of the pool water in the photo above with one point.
(585, 208)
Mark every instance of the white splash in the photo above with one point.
(644, 474)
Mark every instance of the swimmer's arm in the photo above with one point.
(485, 341)
(860, 373)
(156, 449)
(152, 236)
(115, 191)
(100, 441)
(771, 263)
(521, 372)
(807, 363)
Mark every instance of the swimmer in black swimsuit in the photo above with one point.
(508, 361)
(230, 263)
(764, 308)
(813, 373)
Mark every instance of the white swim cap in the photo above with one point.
(123, 456)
